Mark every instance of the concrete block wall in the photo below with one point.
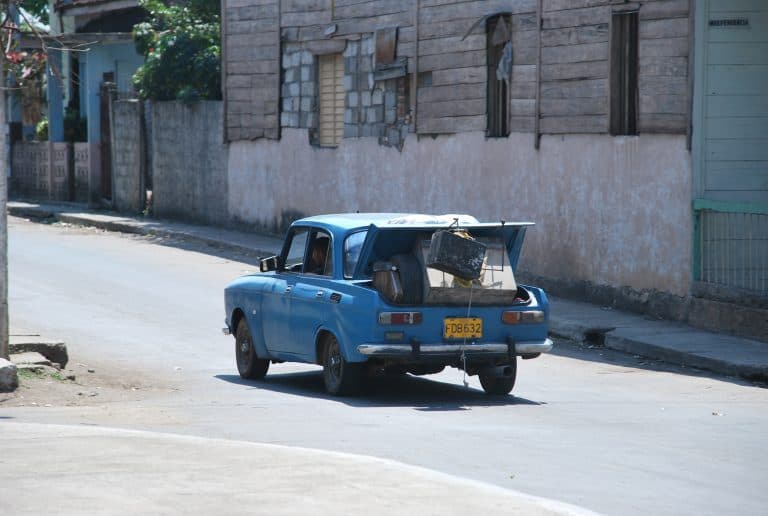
(127, 156)
(189, 172)
(371, 108)
(299, 88)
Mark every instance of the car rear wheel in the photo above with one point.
(501, 380)
(249, 365)
(341, 378)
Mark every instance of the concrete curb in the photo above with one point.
(130, 227)
(611, 338)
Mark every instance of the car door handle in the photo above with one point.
(288, 290)
(320, 293)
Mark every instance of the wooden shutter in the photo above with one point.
(331, 94)
(624, 69)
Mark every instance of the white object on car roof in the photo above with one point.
(438, 220)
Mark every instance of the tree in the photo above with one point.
(182, 49)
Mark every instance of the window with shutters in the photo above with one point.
(624, 68)
(498, 32)
(331, 99)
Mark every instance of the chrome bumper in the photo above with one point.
(521, 348)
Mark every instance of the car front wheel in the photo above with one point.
(249, 365)
(341, 378)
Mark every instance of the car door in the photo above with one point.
(310, 297)
(276, 304)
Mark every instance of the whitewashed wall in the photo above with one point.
(613, 211)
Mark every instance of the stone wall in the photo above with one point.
(189, 169)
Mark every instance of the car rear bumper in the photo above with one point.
(486, 348)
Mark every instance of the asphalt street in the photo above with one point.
(592, 428)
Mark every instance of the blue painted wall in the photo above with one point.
(120, 58)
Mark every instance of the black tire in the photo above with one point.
(499, 385)
(249, 365)
(411, 278)
(341, 378)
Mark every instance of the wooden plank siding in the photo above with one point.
(575, 65)
(443, 52)
(573, 69)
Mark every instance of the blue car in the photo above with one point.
(371, 293)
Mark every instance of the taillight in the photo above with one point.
(400, 318)
(529, 317)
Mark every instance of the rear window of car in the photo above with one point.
(352, 246)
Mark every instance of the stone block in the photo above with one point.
(366, 65)
(374, 115)
(352, 100)
(377, 96)
(289, 119)
(390, 116)
(350, 65)
(296, 59)
(367, 46)
(306, 73)
(349, 116)
(308, 89)
(294, 90)
(350, 131)
(53, 350)
(29, 357)
(311, 119)
(307, 58)
(366, 98)
(9, 377)
(287, 60)
(348, 82)
(352, 49)
(306, 104)
(290, 75)
(390, 100)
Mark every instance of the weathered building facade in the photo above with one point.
(575, 114)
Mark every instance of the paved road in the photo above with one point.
(599, 430)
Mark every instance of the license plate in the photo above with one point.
(463, 328)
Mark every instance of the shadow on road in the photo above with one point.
(394, 391)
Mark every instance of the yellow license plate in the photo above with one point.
(463, 328)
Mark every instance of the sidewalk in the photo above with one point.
(80, 470)
(671, 342)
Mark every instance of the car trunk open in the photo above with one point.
(396, 259)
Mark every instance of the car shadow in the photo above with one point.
(421, 394)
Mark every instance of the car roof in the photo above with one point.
(347, 221)
(343, 222)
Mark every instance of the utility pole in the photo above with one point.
(4, 351)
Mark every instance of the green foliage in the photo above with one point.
(182, 50)
(41, 130)
(37, 7)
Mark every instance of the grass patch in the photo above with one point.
(34, 374)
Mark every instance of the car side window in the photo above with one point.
(319, 258)
(352, 246)
(296, 250)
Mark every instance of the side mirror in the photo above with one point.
(269, 264)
